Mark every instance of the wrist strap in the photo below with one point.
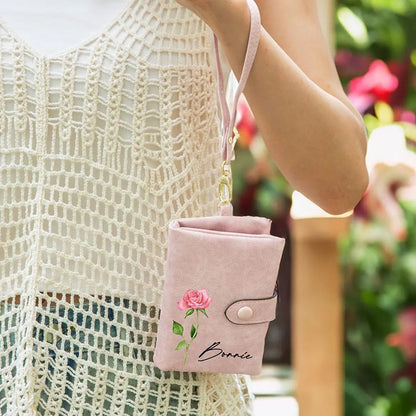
(228, 119)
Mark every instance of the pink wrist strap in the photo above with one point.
(228, 120)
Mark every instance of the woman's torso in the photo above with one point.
(121, 134)
(103, 139)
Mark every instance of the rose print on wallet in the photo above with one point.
(192, 300)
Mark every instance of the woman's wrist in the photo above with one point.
(232, 31)
(227, 22)
(224, 17)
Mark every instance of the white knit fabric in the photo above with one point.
(101, 145)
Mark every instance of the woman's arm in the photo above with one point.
(312, 131)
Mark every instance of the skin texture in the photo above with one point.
(312, 131)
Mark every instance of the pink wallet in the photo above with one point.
(221, 287)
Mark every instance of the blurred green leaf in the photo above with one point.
(383, 112)
(353, 25)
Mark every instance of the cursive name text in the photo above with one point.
(213, 352)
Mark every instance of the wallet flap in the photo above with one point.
(252, 311)
(229, 223)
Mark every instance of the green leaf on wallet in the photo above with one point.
(177, 328)
(180, 345)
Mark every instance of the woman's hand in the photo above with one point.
(216, 13)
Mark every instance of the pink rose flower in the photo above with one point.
(195, 299)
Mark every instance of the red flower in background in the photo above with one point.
(409, 371)
(245, 122)
(378, 81)
(406, 341)
(377, 84)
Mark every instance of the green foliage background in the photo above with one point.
(377, 287)
(388, 33)
(380, 273)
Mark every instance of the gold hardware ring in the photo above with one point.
(225, 182)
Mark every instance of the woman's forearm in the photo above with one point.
(316, 141)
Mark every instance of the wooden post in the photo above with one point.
(317, 310)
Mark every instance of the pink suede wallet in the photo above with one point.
(220, 294)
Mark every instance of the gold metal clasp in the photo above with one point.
(236, 136)
(225, 184)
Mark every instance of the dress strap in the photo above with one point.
(228, 120)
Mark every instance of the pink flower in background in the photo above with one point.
(377, 84)
(195, 299)
(362, 102)
(378, 80)
(403, 114)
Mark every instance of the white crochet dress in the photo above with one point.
(100, 147)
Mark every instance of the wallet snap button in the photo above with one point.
(245, 313)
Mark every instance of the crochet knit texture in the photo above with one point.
(100, 147)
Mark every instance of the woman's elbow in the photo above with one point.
(351, 186)
(349, 196)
